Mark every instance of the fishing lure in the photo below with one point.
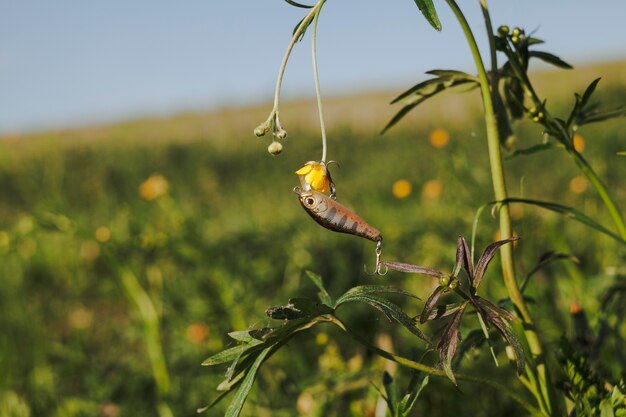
(334, 216)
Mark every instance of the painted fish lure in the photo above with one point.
(336, 217)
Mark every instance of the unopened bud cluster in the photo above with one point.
(535, 114)
(516, 35)
(272, 124)
(449, 282)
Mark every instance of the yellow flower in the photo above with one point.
(153, 187)
(314, 175)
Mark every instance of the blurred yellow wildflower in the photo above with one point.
(578, 184)
(153, 187)
(579, 143)
(432, 190)
(314, 175)
(103, 234)
(401, 189)
(439, 138)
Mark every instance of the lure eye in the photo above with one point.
(309, 201)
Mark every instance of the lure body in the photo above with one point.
(334, 216)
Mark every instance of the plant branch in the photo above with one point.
(317, 80)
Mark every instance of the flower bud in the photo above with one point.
(532, 111)
(275, 148)
(515, 39)
(261, 129)
(503, 30)
(444, 281)
(453, 284)
(516, 31)
(281, 134)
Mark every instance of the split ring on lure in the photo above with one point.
(336, 217)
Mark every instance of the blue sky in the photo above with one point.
(69, 63)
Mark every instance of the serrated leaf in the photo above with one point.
(366, 290)
(569, 212)
(428, 10)
(413, 269)
(302, 6)
(449, 342)
(298, 308)
(429, 305)
(322, 294)
(235, 406)
(535, 149)
(485, 259)
(391, 310)
(550, 59)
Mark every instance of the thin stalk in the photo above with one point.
(500, 191)
(400, 360)
(317, 80)
(294, 39)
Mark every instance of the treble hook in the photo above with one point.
(379, 251)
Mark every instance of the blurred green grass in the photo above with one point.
(228, 239)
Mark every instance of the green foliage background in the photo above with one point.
(229, 239)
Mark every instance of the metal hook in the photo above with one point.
(377, 269)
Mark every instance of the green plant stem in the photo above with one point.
(294, 39)
(400, 360)
(580, 161)
(316, 78)
(500, 191)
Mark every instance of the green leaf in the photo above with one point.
(244, 336)
(622, 153)
(409, 400)
(591, 88)
(428, 10)
(535, 149)
(569, 212)
(224, 356)
(302, 6)
(389, 309)
(298, 308)
(323, 294)
(392, 393)
(550, 59)
(533, 41)
(235, 406)
(600, 115)
(422, 92)
(452, 75)
(366, 290)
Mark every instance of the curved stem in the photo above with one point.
(317, 80)
(400, 360)
(296, 35)
(500, 191)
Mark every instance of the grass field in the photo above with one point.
(196, 211)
